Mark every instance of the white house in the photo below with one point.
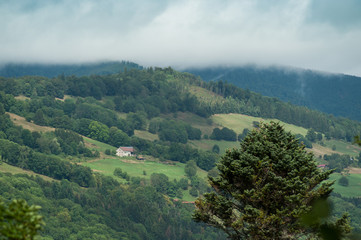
(125, 151)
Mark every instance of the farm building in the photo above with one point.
(322, 166)
(125, 151)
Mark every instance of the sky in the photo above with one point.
(322, 35)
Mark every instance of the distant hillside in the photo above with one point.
(54, 70)
(336, 94)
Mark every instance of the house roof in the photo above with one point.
(127, 149)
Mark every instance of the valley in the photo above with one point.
(66, 137)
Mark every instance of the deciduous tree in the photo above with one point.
(18, 220)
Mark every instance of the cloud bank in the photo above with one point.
(322, 35)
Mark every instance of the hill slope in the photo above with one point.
(54, 70)
(336, 94)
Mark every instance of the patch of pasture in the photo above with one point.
(135, 168)
(352, 190)
(207, 144)
(238, 122)
(21, 121)
(146, 135)
(344, 147)
(96, 145)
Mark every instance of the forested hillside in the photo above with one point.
(88, 117)
(335, 94)
(54, 70)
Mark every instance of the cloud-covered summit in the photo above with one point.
(322, 35)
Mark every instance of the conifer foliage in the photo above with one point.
(264, 188)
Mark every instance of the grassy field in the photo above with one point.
(22, 98)
(352, 190)
(96, 145)
(204, 124)
(203, 95)
(238, 122)
(146, 135)
(135, 168)
(20, 121)
(344, 147)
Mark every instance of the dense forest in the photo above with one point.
(149, 93)
(82, 204)
(107, 210)
(335, 94)
(53, 70)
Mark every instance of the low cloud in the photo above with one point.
(183, 33)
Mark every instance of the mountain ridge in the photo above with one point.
(335, 94)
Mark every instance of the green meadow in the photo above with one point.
(238, 122)
(135, 167)
(207, 144)
(344, 147)
(96, 145)
(352, 190)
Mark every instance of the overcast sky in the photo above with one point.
(315, 34)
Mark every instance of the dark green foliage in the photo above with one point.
(343, 181)
(193, 133)
(19, 221)
(106, 211)
(48, 165)
(215, 148)
(154, 126)
(304, 141)
(193, 192)
(191, 168)
(338, 162)
(39, 118)
(173, 131)
(206, 160)
(213, 173)
(160, 182)
(319, 137)
(311, 135)
(137, 120)
(2, 109)
(98, 131)
(70, 142)
(183, 183)
(264, 187)
(224, 134)
(118, 137)
(62, 70)
(335, 94)
(247, 102)
(318, 219)
(108, 151)
(242, 135)
(119, 173)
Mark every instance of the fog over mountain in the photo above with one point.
(322, 35)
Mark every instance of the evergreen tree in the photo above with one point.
(264, 188)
